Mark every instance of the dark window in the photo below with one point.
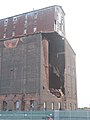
(31, 104)
(55, 21)
(4, 105)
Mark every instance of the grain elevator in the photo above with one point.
(37, 63)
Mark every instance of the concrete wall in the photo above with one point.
(25, 74)
(20, 66)
(70, 77)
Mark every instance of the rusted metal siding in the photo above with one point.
(9, 28)
(19, 25)
(1, 29)
(30, 23)
(44, 20)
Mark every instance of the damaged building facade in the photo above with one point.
(37, 63)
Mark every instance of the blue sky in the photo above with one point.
(77, 24)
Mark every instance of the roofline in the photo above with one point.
(33, 11)
(70, 46)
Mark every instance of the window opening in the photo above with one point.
(13, 33)
(4, 36)
(5, 29)
(53, 106)
(45, 105)
(16, 104)
(14, 20)
(35, 29)
(23, 105)
(25, 31)
(4, 105)
(35, 15)
(31, 104)
(59, 106)
(5, 22)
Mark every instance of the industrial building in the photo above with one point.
(37, 63)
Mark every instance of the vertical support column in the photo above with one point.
(45, 52)
(27, 105)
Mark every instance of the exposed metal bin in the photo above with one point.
(48, 19)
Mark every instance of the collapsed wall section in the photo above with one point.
(56, 58)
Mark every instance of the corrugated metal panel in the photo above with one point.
(9, 28)
(44, 20)
(1, 29)
(20, 25)
(29, 23)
